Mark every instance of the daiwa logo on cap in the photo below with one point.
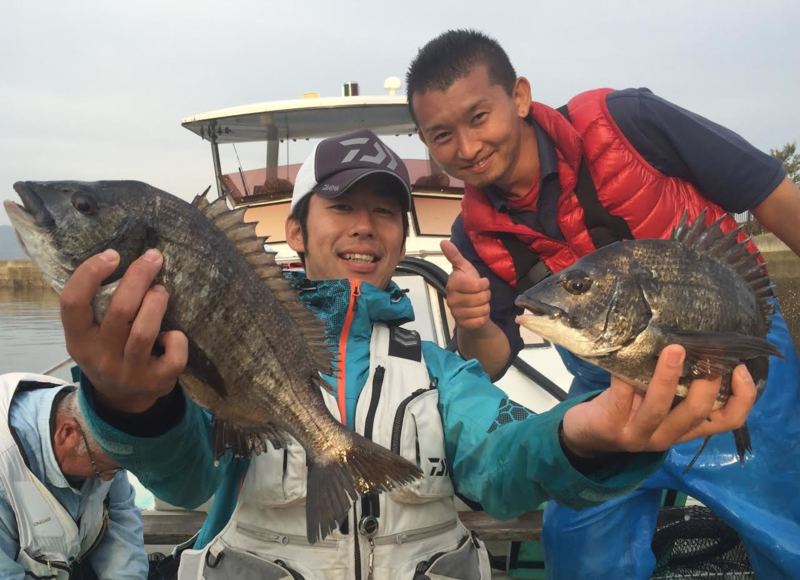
(376, 154)
(336, 163)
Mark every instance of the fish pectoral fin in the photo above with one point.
(274, 435)
(716, 353)
(245, 441)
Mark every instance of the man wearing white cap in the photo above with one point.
(349, 224)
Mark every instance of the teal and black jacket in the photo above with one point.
(501, 455)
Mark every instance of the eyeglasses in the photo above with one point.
(106, 474)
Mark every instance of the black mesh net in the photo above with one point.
(691, 542)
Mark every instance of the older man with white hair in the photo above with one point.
(66, 509)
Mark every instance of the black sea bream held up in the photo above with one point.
(619, 306)
(223, 286)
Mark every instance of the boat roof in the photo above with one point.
(303, 119)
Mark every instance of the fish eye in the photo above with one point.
(577, 282)
(84, 204)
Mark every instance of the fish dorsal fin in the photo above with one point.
(727, 248)
(251, 246)
(200, 201)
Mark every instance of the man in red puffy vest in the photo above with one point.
(544, 187)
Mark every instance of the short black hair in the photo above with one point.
(451, 56)
(300, 213)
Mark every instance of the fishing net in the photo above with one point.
(691, 542)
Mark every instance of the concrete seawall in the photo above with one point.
(20, 274)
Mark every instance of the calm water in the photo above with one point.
(31, 336)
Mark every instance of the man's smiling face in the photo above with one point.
(473, 129)
(358, 234)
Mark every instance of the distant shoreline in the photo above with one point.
(20, 274)
(783, 265)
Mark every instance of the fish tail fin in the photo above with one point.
(329, 495)
(741, 437)
(334, 485)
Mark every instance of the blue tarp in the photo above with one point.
(760, 498)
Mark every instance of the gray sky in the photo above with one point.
(96, 89)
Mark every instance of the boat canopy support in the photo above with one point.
(217, 166)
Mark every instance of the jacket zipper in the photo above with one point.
(97, 539)
(341, 383)
(356, 544)
(266, 535)
(416, 535)
(370, 503)
(341, 374)
(377, 387)
(397, 425)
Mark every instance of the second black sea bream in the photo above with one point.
(619, 306)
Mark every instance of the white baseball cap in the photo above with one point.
(336, 163)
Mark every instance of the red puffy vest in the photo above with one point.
(627, 186)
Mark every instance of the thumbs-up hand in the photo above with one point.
(467, 293)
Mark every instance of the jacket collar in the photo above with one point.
(329, 300)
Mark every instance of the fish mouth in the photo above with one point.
(30, 220)
(538, 308)
(33, 211)
(20, 219)
(18, 214)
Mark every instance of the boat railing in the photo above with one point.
(60, 369)
(436, 277)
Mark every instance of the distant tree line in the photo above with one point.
(789, 156)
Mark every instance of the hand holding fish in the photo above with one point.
(117, 354)
(623, 418)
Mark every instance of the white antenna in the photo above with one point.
(392, 84)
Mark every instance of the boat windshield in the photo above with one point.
(257, 151)
(246, 175)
